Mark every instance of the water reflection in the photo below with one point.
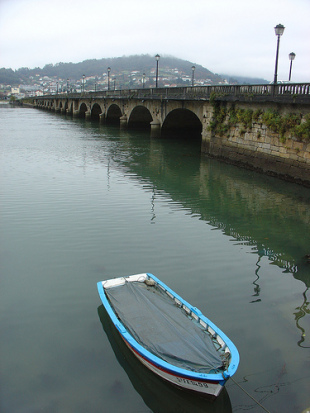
(255, 282)
(158, 395)
(262, 211)
(303, 310)
(270, 215)
(153, 215)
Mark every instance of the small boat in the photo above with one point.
(169, 336)
(159, 395)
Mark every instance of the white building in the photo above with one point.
(15, 90)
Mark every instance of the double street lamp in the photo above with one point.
(279, 30)
(157, 57)
(291, 56)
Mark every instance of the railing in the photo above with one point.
(222, 92)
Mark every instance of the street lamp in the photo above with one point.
(193, 74)
(143, 80)
(83, 83)
(157, 57)
(279, 30)
(67, 86)
(109, 70)
(57, 88)
(291, 56)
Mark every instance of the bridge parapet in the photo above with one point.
(282, 92)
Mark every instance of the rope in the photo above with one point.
(258, 403)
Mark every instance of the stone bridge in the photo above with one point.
(195, 110)
(154, 109)
(169, 110)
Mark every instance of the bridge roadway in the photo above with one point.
(167, 110)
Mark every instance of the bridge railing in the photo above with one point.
(265, 91)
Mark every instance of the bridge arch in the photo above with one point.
(95, 111)
(113, 114)
(82, 110)
(140, 117)
(182, 122)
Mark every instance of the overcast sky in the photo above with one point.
(233, 37)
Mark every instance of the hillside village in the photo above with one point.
(40, 85)
(92, 76)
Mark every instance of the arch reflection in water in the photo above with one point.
(159, 396)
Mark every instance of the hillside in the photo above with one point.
(120, 66)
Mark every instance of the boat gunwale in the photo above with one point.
(155, 360)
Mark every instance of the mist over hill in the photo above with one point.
(232, 79)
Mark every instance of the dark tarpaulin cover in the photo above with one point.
(160, 326)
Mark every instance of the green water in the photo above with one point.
(81, 203)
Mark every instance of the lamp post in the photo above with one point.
(57, 88)
(157, 57)
(143, 80)
(109, 70)
(291, 56)
(193, 75)
(67, 86)
(83, 83)
(279, 30)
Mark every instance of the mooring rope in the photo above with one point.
(251, 397)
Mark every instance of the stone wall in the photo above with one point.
(257, 147)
